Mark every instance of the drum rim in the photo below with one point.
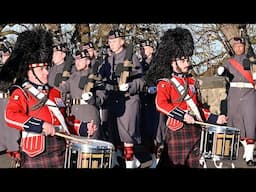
(89, 145)
(90, 140)
(222, 129)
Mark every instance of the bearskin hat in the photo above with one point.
(32, 46)
(175, 43)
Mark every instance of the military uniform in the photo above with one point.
(178, 97)
(9, 138)
(38, 151)
(125, 107)
(183, 139)
(55, 74)
(34, 108)
(61, 72)
(241, 99)
(84, 111)
(149, 114)
(241, 103)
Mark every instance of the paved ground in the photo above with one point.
(226, 164)
(239, 163)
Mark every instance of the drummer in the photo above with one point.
(178, 97)
(27, 110)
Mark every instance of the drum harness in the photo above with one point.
(50, 104)
(196, 112)
(54, 108)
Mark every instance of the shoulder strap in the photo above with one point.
(50, 104)
(239, 67)
(188, 99)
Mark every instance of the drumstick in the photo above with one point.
(203, 123)
(70, 137)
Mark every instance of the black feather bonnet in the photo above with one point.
(175, 43)
(32, 46)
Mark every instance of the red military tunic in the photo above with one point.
(19, 115)
(183, 139)
(168, 96)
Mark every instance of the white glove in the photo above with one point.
(220, 70)
(124, 87)
(87, 96)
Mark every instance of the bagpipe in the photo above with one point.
(60, 40)
(126, 71)
(94, 79)
(244, 34)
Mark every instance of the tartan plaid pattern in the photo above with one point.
(52, 157)
(183, 146)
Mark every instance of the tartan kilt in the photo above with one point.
(184, 146)
(52, 157)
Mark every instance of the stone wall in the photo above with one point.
(213, 90)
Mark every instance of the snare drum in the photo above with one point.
(220, 142)
(90, 153)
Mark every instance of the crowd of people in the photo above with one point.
(129, 100)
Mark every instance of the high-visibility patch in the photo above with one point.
(163, 85)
